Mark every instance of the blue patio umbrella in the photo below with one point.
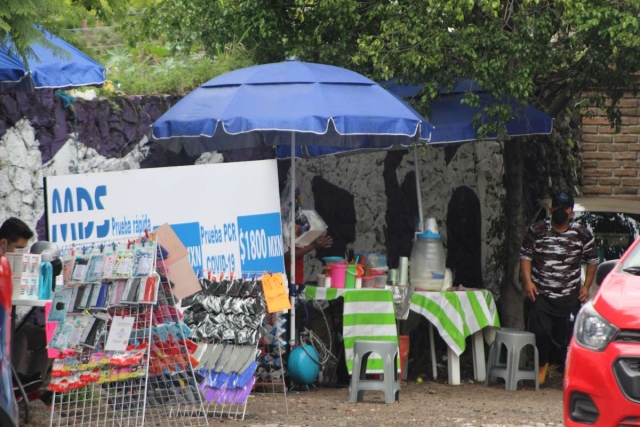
(66, 68)
(290, 104)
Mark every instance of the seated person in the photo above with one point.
(29, 348)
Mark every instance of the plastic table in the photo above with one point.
(457, 315)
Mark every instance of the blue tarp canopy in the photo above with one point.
(452, 120)
(48, 69)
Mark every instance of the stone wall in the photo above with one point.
(610, 160)
(38, 138)
(41, 137)
(477, 166)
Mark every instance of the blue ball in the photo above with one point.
(303, 369)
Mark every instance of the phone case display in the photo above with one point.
(125, 353)
(225, 319)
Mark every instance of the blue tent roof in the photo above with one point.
(453, 121)
(48, 69)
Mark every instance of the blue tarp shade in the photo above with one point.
(453, 121)
(324, 106)
(66, 69)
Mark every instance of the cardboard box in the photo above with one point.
(20, 287)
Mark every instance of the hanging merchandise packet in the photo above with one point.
(123, 265)
(60, 305)
(68, 263)
(95, 271)
(94, 330)
(80, 269)
(68, 334)
(144, 261)
(130, 294)
(86, 297)
(108, 263)
(115, 296)
(100, 300)
(148, 293)
(95, 294)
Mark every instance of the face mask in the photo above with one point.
(559, 216)
(20, 251)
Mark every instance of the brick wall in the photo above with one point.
(611, 161)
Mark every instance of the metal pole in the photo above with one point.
(432, 348)
(418, 190)
(292, 243)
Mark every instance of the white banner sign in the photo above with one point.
(227, 215)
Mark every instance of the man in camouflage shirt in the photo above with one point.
(550, 261)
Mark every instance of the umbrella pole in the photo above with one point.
(418, 189)
(292, 234)
(434, 367)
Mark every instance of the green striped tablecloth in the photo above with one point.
(457, 315)
(368, 315)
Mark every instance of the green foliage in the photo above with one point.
(538, 51)
(145, 73)
(320, 31)
(104, 9)
(19, 17)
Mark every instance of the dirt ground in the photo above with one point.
(427, 403)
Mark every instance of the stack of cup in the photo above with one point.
(322, 280)
(393, 276)
(403, 268)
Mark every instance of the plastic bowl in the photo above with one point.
(330, 260)
(379, 271)
(381, 281)
(368, 282)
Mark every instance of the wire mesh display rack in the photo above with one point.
(263, 330)
(162, 391)
(166, 388)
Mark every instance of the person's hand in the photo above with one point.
(324, 242)
(584, 294)
(530, 290)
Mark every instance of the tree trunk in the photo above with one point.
(511, 294)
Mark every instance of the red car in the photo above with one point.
(602, 374)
